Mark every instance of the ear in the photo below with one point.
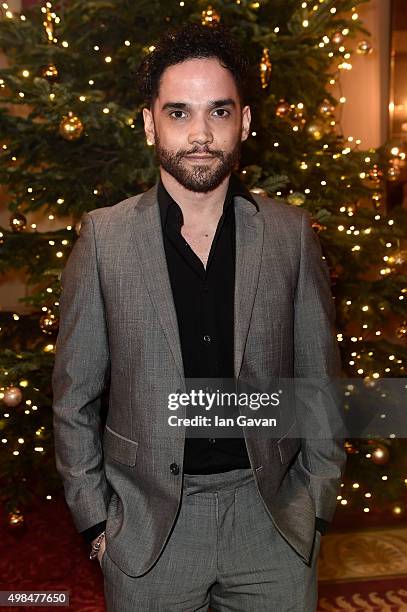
(149, 126)
(246, 119)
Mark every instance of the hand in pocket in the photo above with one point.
(101, 551)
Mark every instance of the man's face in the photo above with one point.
(197, 123)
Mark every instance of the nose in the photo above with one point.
(200, 132)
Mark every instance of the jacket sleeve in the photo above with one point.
(81, 369)
(317, 364)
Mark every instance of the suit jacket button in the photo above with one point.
(174, 467)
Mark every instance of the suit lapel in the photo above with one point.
(149, 243)
(249, 247)
(147, 231)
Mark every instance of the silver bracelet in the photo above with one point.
(96, 546)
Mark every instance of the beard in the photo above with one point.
(201, 177)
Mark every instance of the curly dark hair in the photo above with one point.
(191, 41)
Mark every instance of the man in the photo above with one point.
(194, 279)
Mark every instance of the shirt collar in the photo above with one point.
(235, 188)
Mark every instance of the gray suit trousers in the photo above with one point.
(224, 551)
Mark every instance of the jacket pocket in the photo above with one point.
(288, 445)
(119, 448)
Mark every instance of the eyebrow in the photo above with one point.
(212, 104)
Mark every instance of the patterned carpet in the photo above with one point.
(372, 595)
(364, 570)
(358, 571)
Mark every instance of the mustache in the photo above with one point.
(200, 151)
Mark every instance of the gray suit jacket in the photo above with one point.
(118, 320)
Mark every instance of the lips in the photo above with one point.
(200, 156)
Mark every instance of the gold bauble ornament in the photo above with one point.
(265, 68)
(326, 108)
(375, 174)
(364, 47)
(71, 127)
(296, 198)
(12, 396)
(259, 191)
(393, 173)
(401, 331)
(18, 222)
(282, 109)
(209, 16)
(316, 129)
(15, 520)
(380, 455)
(337, 38)
(49, 323)
(50, 72)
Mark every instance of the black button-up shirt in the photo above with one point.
(204, 303)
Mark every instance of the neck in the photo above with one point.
(197, 208)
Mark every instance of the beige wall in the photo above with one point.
(365, 113)
(364, 116)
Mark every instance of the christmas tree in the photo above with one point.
(72, 140)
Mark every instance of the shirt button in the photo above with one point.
(207, 338)
(174, 468)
